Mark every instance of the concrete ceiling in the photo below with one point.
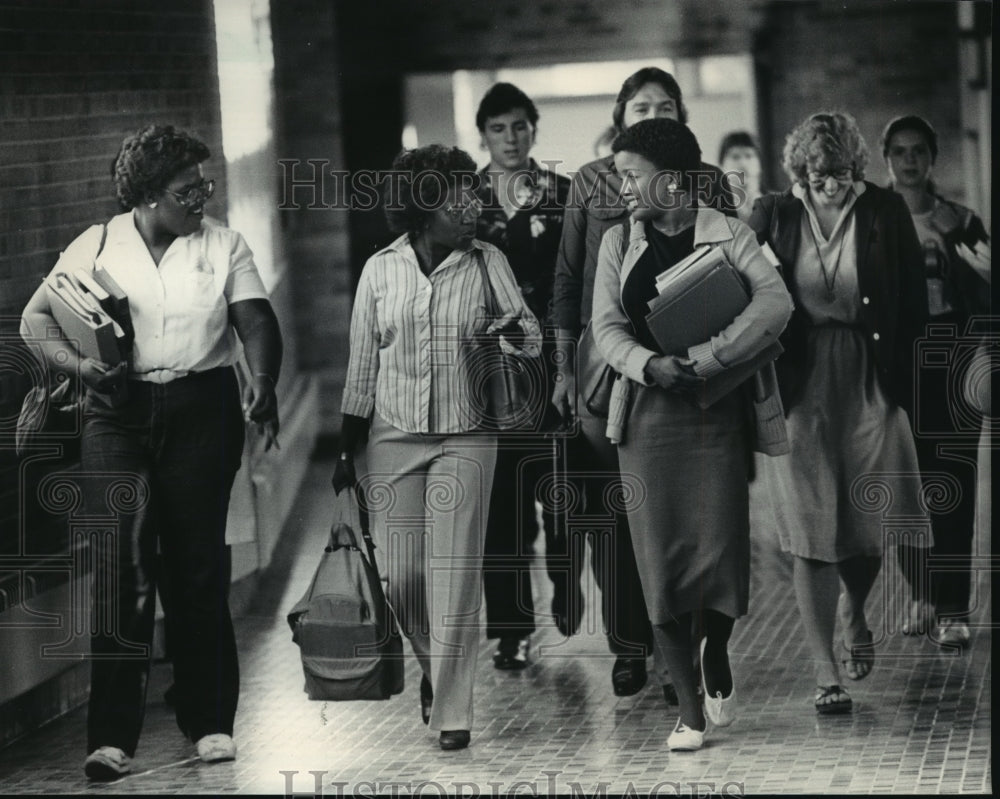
(451, 34)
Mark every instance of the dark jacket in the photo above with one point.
(892, 292)
(530, 238)
(965, 289)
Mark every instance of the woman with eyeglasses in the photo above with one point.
(168, 420)
(851, 260)
(421, 306)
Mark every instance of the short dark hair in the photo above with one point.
(635, 81)
(667, 144)
(502, 98)
(825, 141)
(738, 138)
(423, 176)
(914, 123)
(149, 159)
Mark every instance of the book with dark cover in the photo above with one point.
(695, 304)
(713, 299)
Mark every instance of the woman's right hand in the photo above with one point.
(673, 374)
(344, 475)
(100, 376)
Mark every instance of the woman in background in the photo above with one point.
(419, 304)
(955, 292)
(850, 258)
(739, 160)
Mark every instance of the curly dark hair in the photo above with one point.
(667, 144)
(422, 177)
(149, 159)
(634, 82)
(825, 142)
(501, 99)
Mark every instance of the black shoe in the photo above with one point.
(628, 675)
(454, 739)
(511, 653)
(426, 699)
(670, 694)
(568, 613)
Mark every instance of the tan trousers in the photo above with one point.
(429, 497)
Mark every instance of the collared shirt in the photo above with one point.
(412, 352)
(179, 309)
(825, 279)
(530, 237)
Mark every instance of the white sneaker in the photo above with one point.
(684, 739)
(216, 748)
(952, 632)
(107, 763)
(721, 711)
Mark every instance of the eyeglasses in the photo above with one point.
(195, 195)
(818, 179)
(465, 212)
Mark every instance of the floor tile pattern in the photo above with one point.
(921, 722)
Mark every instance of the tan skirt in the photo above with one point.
(851, 482)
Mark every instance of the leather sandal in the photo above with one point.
(861, 658)
(825, 708)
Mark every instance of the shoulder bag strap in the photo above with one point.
(492, 306)
(100, 247)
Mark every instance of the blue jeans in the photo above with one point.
(181, 443)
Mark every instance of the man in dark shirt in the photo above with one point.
(523, 208)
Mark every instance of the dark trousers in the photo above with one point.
(590, 510)
(595, 462)
(524, 465)
(180, 443)
(943, 575)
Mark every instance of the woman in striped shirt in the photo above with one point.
(421, 303)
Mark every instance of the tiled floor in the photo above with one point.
(921, 722)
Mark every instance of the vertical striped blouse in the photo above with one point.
(412, 359)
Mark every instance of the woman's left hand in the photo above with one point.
(260, 406)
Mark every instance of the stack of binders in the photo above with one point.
(698, 297)
(93, 313)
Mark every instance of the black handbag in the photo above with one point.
(508, 390)
(596, 376)
(346, 633)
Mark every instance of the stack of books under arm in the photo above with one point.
(93, 312)
(698, 297)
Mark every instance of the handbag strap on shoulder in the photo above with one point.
(492, 306)
(100, 247)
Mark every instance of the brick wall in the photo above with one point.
(75, 78)
(306, 68)
(872, 58)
